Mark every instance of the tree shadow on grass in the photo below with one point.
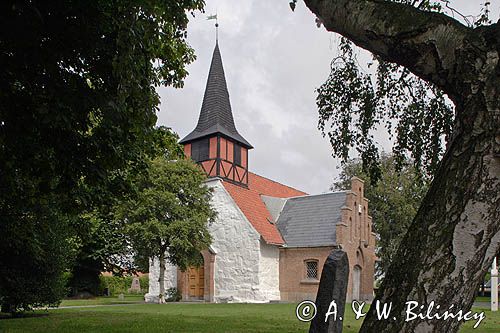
(5, 316)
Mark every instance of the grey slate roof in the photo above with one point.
(216, 115)
(310, 221)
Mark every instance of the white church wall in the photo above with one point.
(246, 269)
(269, 271)
(237, 244)
(154, 284)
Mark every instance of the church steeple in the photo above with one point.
(216, 115)
(215, 142)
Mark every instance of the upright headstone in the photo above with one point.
(332, 287)
(135, 286)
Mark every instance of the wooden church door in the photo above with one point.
(196, 278)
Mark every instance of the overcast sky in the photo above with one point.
(274, 59)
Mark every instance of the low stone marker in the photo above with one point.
(332, 288)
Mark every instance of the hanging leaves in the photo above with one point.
(354, 104)
(418, 117)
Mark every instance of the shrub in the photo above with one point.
(173, 295)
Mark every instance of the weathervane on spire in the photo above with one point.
(214, 17)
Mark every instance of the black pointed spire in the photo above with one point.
(216, 115)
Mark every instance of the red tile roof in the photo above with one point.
(251, 204)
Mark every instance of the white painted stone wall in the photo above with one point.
(154, 284)
(237, 245)
(269, 271)
(246, 269)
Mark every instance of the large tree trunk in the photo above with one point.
(456, 232)
(451, 241)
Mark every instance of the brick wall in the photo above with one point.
(356, 238)
(294, 285)
(355, 235)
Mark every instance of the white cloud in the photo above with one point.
(274, 59)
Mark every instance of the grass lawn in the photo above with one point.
(106, 300)
(172, 317)
(483, 299)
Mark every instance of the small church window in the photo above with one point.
(312, 269)
(237, 154)
(200, 150)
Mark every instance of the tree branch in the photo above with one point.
(426, 43)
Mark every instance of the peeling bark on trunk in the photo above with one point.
(451, 242)
(161, 278)
(456, 232)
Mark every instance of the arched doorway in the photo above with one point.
(197, 282)
(356, 283)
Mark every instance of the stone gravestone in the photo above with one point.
(135, 286)
(332, 287)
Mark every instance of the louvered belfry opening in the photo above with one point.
(215, 143)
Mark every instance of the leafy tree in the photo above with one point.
(394, 200)
(454, 236)
(77, 103)
(104, 246)
(34, 253)
(168, 216)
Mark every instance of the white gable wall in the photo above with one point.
(246, 269)
(243, 273)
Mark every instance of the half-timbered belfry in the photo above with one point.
(215, 142)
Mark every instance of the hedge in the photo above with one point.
(121, 284)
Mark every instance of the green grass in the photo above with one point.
(131, 298)
(106, 300)
(173, 317)
(483, 299)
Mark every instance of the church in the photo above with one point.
(270, 240)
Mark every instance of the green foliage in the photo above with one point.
(80, 88)
(33, 255)
(120, 284)
(393, 202)
(173, 295)
(104, 245)
(77, 107)
(170, 210)
(347, 98)
(351, 107)
(353, 103)
(84, 278)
